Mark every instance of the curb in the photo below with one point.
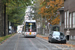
(7, 39)
(67, 44)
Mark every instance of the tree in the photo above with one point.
(56, 21)
(16, 10)
(1, 19)
(49, 9)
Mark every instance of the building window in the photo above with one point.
(70, 19)
(65, 19)
(73, 19)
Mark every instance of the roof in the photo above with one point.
(60, 9)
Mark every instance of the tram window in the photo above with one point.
(30, 26)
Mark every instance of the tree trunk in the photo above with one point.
(4, 20)
(1, 19)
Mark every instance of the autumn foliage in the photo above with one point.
(56, 21)
(49, 9)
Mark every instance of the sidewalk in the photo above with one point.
(70, 42)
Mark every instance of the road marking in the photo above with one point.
(52, 44)
(16, 44)
(47, 48)
(49, 43)
(33, 44)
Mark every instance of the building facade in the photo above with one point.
(61, 10)
(69, 17)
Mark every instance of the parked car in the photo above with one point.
(10, 30)
(56, 36)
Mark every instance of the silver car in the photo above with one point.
(56, 36)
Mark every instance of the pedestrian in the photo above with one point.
(67, 34)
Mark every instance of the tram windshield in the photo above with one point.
(30, 27)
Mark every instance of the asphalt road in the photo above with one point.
(18, 42)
